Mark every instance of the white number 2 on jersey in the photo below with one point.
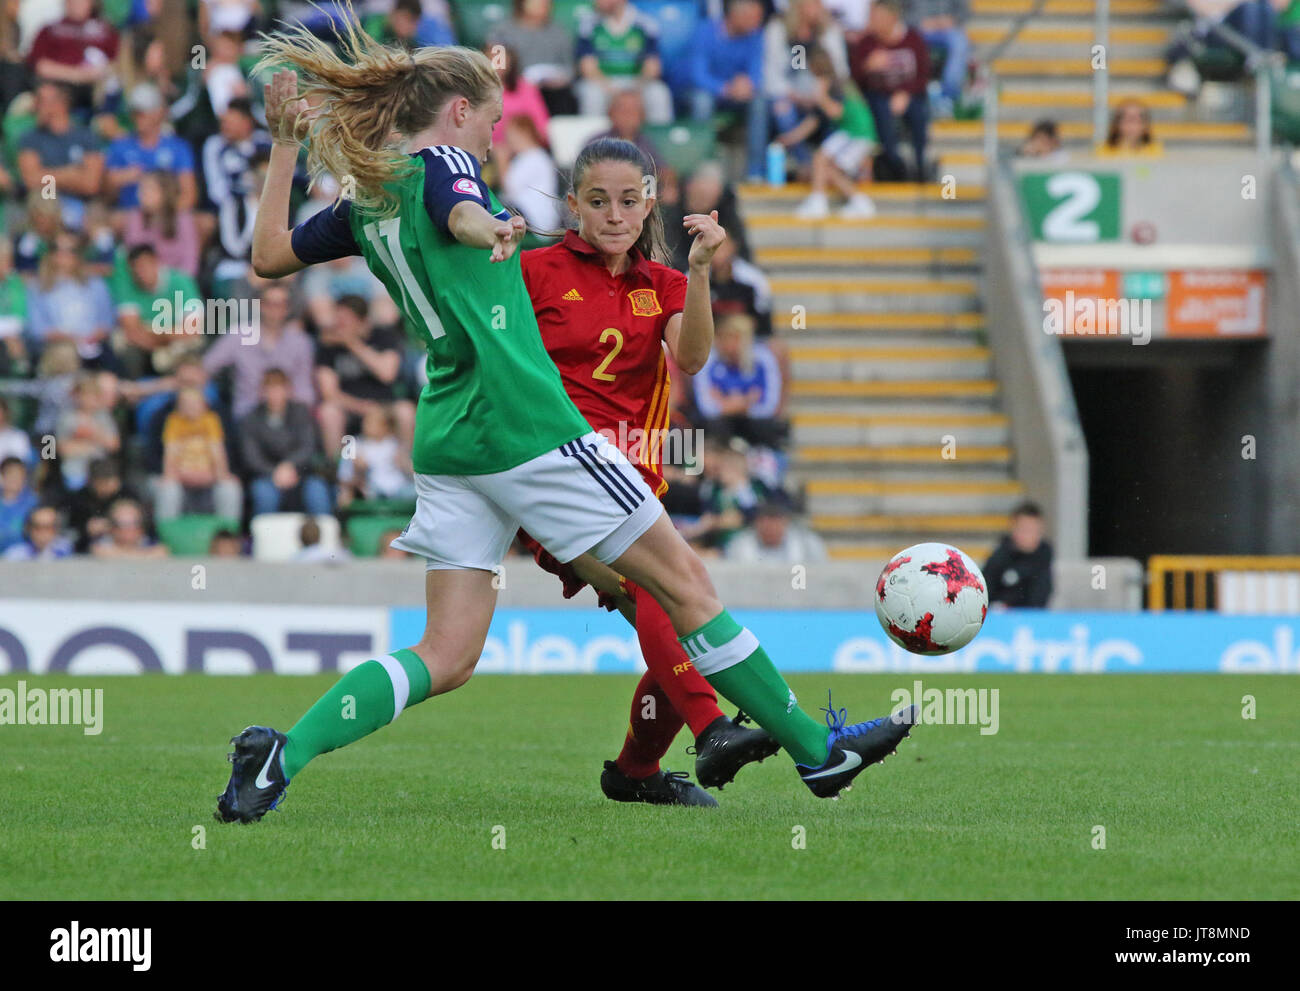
(390, 254)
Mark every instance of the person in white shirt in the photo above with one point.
(774, 537)
(529, 183)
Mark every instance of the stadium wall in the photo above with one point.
(243, 617)
(1281, 512)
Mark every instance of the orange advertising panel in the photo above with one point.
(1080, 302)
(1217, 303)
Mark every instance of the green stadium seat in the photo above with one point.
(569, 12)
(190, 535)
(364, 532)
(1285, 104)
(685, 144)
(381, 507)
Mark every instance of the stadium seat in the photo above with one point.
(275, 535)
(568, 13)
(474, 19)
(568, 134)
(1285, 104)
(684, 145)
(190, 535)
(364, 532)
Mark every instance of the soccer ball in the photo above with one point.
(931, 599)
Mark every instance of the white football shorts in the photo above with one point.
(583, 496)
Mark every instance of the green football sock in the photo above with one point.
(369, 696)
(730, 658)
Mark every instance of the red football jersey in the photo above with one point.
(605, 334)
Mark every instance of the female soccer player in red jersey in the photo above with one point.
(607, 307)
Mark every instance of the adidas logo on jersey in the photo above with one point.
(573, 294)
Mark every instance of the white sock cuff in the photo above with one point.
(401, 683)
(709, 659)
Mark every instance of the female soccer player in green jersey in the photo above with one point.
(498, 444)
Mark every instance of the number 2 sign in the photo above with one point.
(1072, 207)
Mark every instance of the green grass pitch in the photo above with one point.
(1196, 801)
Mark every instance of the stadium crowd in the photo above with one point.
(155, 392)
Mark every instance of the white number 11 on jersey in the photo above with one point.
(391, 255)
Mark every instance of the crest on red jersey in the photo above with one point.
(644, 302)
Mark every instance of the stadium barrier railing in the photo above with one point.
(1237, 584)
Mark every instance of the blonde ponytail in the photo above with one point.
(368, 98)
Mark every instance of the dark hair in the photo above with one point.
(103, 468)
(1112, 136)
(12, 460)
(411, 7)
(1028, 509)
(275, 375)
(1045, 127)
(651, 243)
(357, 304)
(138, 250)
(242, 105)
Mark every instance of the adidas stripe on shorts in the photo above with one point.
(583, 496)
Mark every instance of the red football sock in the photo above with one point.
(690, 694)
(650, 731)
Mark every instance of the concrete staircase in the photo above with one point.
(883, 326)
(898, 433)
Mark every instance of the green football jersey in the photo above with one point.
(494, 398)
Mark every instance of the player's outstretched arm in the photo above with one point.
(471, 224)
(287, 120)
(690, 334)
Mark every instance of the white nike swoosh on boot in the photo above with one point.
(262, 780)
(850, 761)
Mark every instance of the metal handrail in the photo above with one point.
(989, 78)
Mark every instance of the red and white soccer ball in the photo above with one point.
(931, 599)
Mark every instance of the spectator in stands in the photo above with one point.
(357, 367)
(16, 501)
(380, 468)
(618, 47)
(14, 442)
(773, 536)
(839, 127)
(729, 495)
(519, 97)
(226, 543)
(1019, 572)
(1130, 131)
(1257, 20)
(529, 180)
(789, 44)
(56, 374)
(156, 220)
(1044, 141)
(77, 50)
(85, 432)
(891, 65)
(942, 24)
(157, 333)
(727, 75)
(1288, 25)
(128, 536)
(281, 343)
(545, 50)
(706, 190)
(196, 476)
(223, 79)
(230, 161)
(42, 539)
(67, 304)
(738, 392)
(412, 25)
(738, 286)
(44, 221)
(13, 314)
(149, 149)
(59, 157)
(313, 551)
(627, 121)
(216, 16)
(89, 506)
(278, 443)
